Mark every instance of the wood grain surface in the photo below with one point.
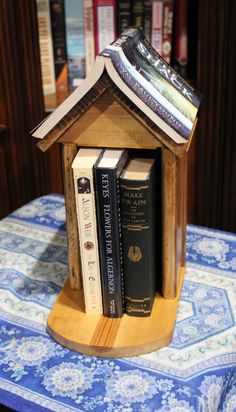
(97, 335)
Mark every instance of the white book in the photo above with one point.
(89, 35)
(46, 47)
(87, 226)
(106, 24)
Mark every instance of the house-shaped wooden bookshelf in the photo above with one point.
(99, 114)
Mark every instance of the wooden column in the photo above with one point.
(69, 152)
(169, 224)
(182, 189)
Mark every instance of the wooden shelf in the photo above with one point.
(105, 117)
(100, 336)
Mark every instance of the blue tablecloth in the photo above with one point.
(196, 372)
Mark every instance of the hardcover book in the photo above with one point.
(59, 44)
(123, 16)
(146, 80)
(87, 226)
(137, 13)
(139, 235)
(46, 47)
(147, 19)
(107, 173)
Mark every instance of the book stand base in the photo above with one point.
(98, 335)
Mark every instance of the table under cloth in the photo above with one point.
(196, 372)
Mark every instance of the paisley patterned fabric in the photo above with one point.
(196, 372)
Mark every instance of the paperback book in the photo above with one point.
(59, 44)
(87, 226)
(143, 70)
(107, 173)
(147, 80)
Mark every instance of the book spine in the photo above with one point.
(180, 57)
(157, 19)
(89, 35)
(46, 47)
(123, 16)
(75, 41)
(59, 44)
(142, 91)
(135, 36)
(109, 230)
(104, 23)
(138, 236)
(86, 215)
(137, 13)
(147, 20)
(168, 10)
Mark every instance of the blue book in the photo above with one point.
(75, 41)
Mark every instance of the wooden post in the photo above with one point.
(69, 152)
(183, 190)
(169, 224)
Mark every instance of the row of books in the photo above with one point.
(117, 222)
(73, 32)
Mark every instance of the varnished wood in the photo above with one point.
(54, 158)
(97, 335)
(169, 224)
(214, 196)
(73, 115)
(21, 104)
(65, 126)
(69, 152)
(108, 123)
(178, 150)
(183, 189)
(52, 101)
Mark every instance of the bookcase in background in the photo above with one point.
(73, 32)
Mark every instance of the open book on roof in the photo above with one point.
(146, 80)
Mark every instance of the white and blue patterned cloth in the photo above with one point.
(196, 372)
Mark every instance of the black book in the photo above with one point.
(147, 19)
(107, 173)
(123, 15)
(139, 235)
(137, 13)
(59, 44)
